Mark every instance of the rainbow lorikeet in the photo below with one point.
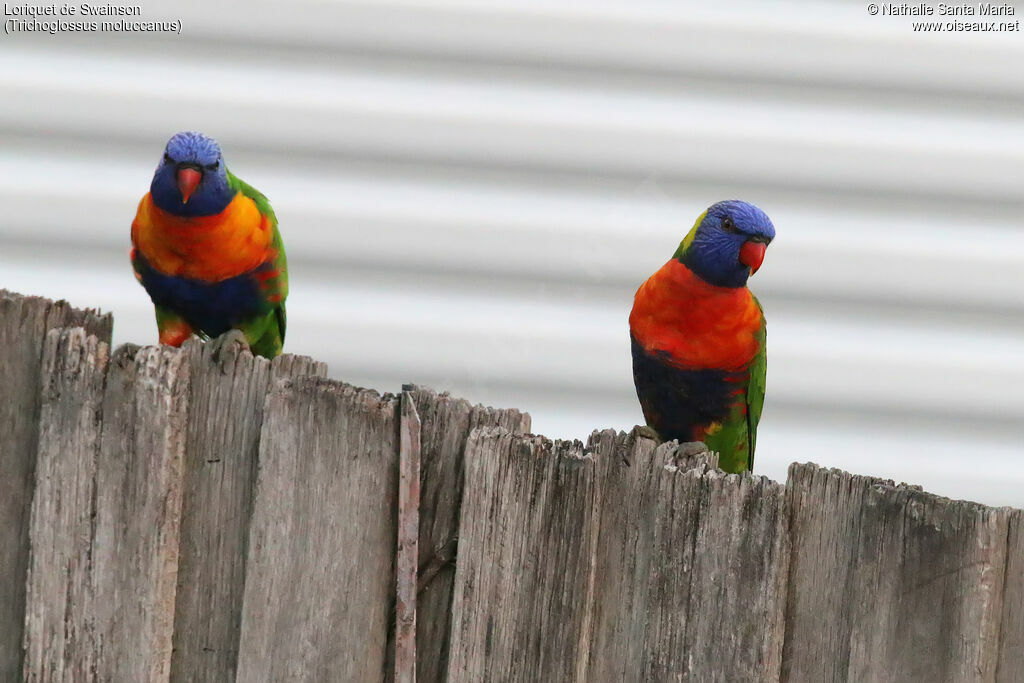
(698, 336)
(206, 247)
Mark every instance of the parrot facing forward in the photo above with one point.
(206, 247)
(698, 336)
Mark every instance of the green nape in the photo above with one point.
(688, 240)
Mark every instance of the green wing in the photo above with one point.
(736, 436)
(755, 387)
(266, 336)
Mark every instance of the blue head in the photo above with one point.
(191, 179)
(727, 244)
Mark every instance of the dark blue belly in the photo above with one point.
(211, 308)
(677, 401)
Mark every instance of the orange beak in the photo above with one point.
(752, 254)
(188, 181)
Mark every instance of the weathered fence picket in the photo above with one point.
(446, 423)
(61, 641)
(615, 562)
(320, 570)
(24, 322)
(201, 514)
(1011, 628)
(691, 569)
(528, 529)
(138, 511)
(407, 561)
(102, 589)
(228, 391)
(890, 583)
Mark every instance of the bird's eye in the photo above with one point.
(167, 158)
(213, 167)
(728, 225)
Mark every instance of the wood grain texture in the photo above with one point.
(615, 562)
(446, 423)
(524, 580)
(228, 390)
(250, 508)
(60, 637)
(889, 583)
(106, 516)
(320, 576)
(1011, 636)
(407, 564)
(138, 511)
(691, 568)
(24, 322)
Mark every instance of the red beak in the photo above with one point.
(188, 180)
(752, 254)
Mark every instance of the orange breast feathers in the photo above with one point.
(700, 325)
(208, 248)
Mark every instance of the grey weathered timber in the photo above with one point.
(102, 578)
(138, 511)
(890, 583)
(446, 423)
(247, 512)
(60, 636)
(24, 322)
(407, 561)
(690, 570)
(523, 579)
(615, 563)
(1011, 636)
(320, 575)
(228, 391)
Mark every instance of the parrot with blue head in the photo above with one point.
(698, 336)
(206, 247)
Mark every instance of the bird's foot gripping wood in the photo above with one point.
(693, 455)
(691, 448)
(646, 432)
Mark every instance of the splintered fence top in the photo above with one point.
(198, 514)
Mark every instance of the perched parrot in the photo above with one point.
(698, 336)
(206, 247)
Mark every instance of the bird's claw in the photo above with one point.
(691, 448)
(691, 454)
(647, 432)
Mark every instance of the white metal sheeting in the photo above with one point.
(470, 194)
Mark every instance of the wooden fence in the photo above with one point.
(198, 514)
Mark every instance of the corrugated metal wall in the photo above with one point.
(470, 193)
